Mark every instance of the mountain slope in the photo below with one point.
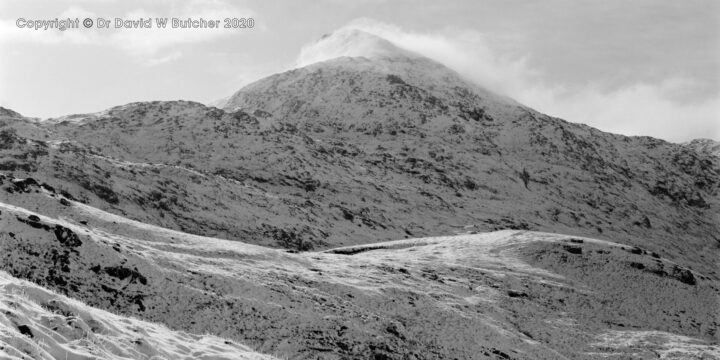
(705, 146)
(357, 150)
(507, 294)
(39, 324)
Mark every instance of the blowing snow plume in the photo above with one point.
(349, 42)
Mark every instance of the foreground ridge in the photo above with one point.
(528, 295)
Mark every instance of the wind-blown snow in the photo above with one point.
(351, 43)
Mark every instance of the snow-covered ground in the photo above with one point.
(654, 344)
(38, 324)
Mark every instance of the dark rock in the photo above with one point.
(48, 187)
(34, 221)
(67, 195)
(25, 184)
(347, 214)
(501, 354)
(573, 249)
(123, 273)
(104, 193)
(66, 236)
(25, 330)
(645, 222)
(684, 275)
(516, 294)
(525, 176)
(395, 80)
(394, 330)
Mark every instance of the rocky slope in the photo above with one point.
(504, 295)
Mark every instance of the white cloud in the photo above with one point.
(11, 33)
(145, 42)
(150, 46)
(77, 12)
(172, 56)
(345, 42)
(636, 108)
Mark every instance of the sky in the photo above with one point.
(640, 67)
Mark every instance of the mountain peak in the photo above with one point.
(350, 43)
(343, 73)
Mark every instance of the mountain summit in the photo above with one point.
(364, 79)
(350, 43)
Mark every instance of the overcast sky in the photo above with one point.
(633, 67)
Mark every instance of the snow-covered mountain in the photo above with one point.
(215, 220)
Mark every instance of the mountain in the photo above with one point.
(326, 163)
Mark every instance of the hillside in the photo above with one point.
(525, 295)
(39, 324)
(358, 150)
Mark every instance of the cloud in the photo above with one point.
(154, 61)
(661, 109)
(634, 109)
(11, 33)
(151, 46)
(346, 42)
(151, 41)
